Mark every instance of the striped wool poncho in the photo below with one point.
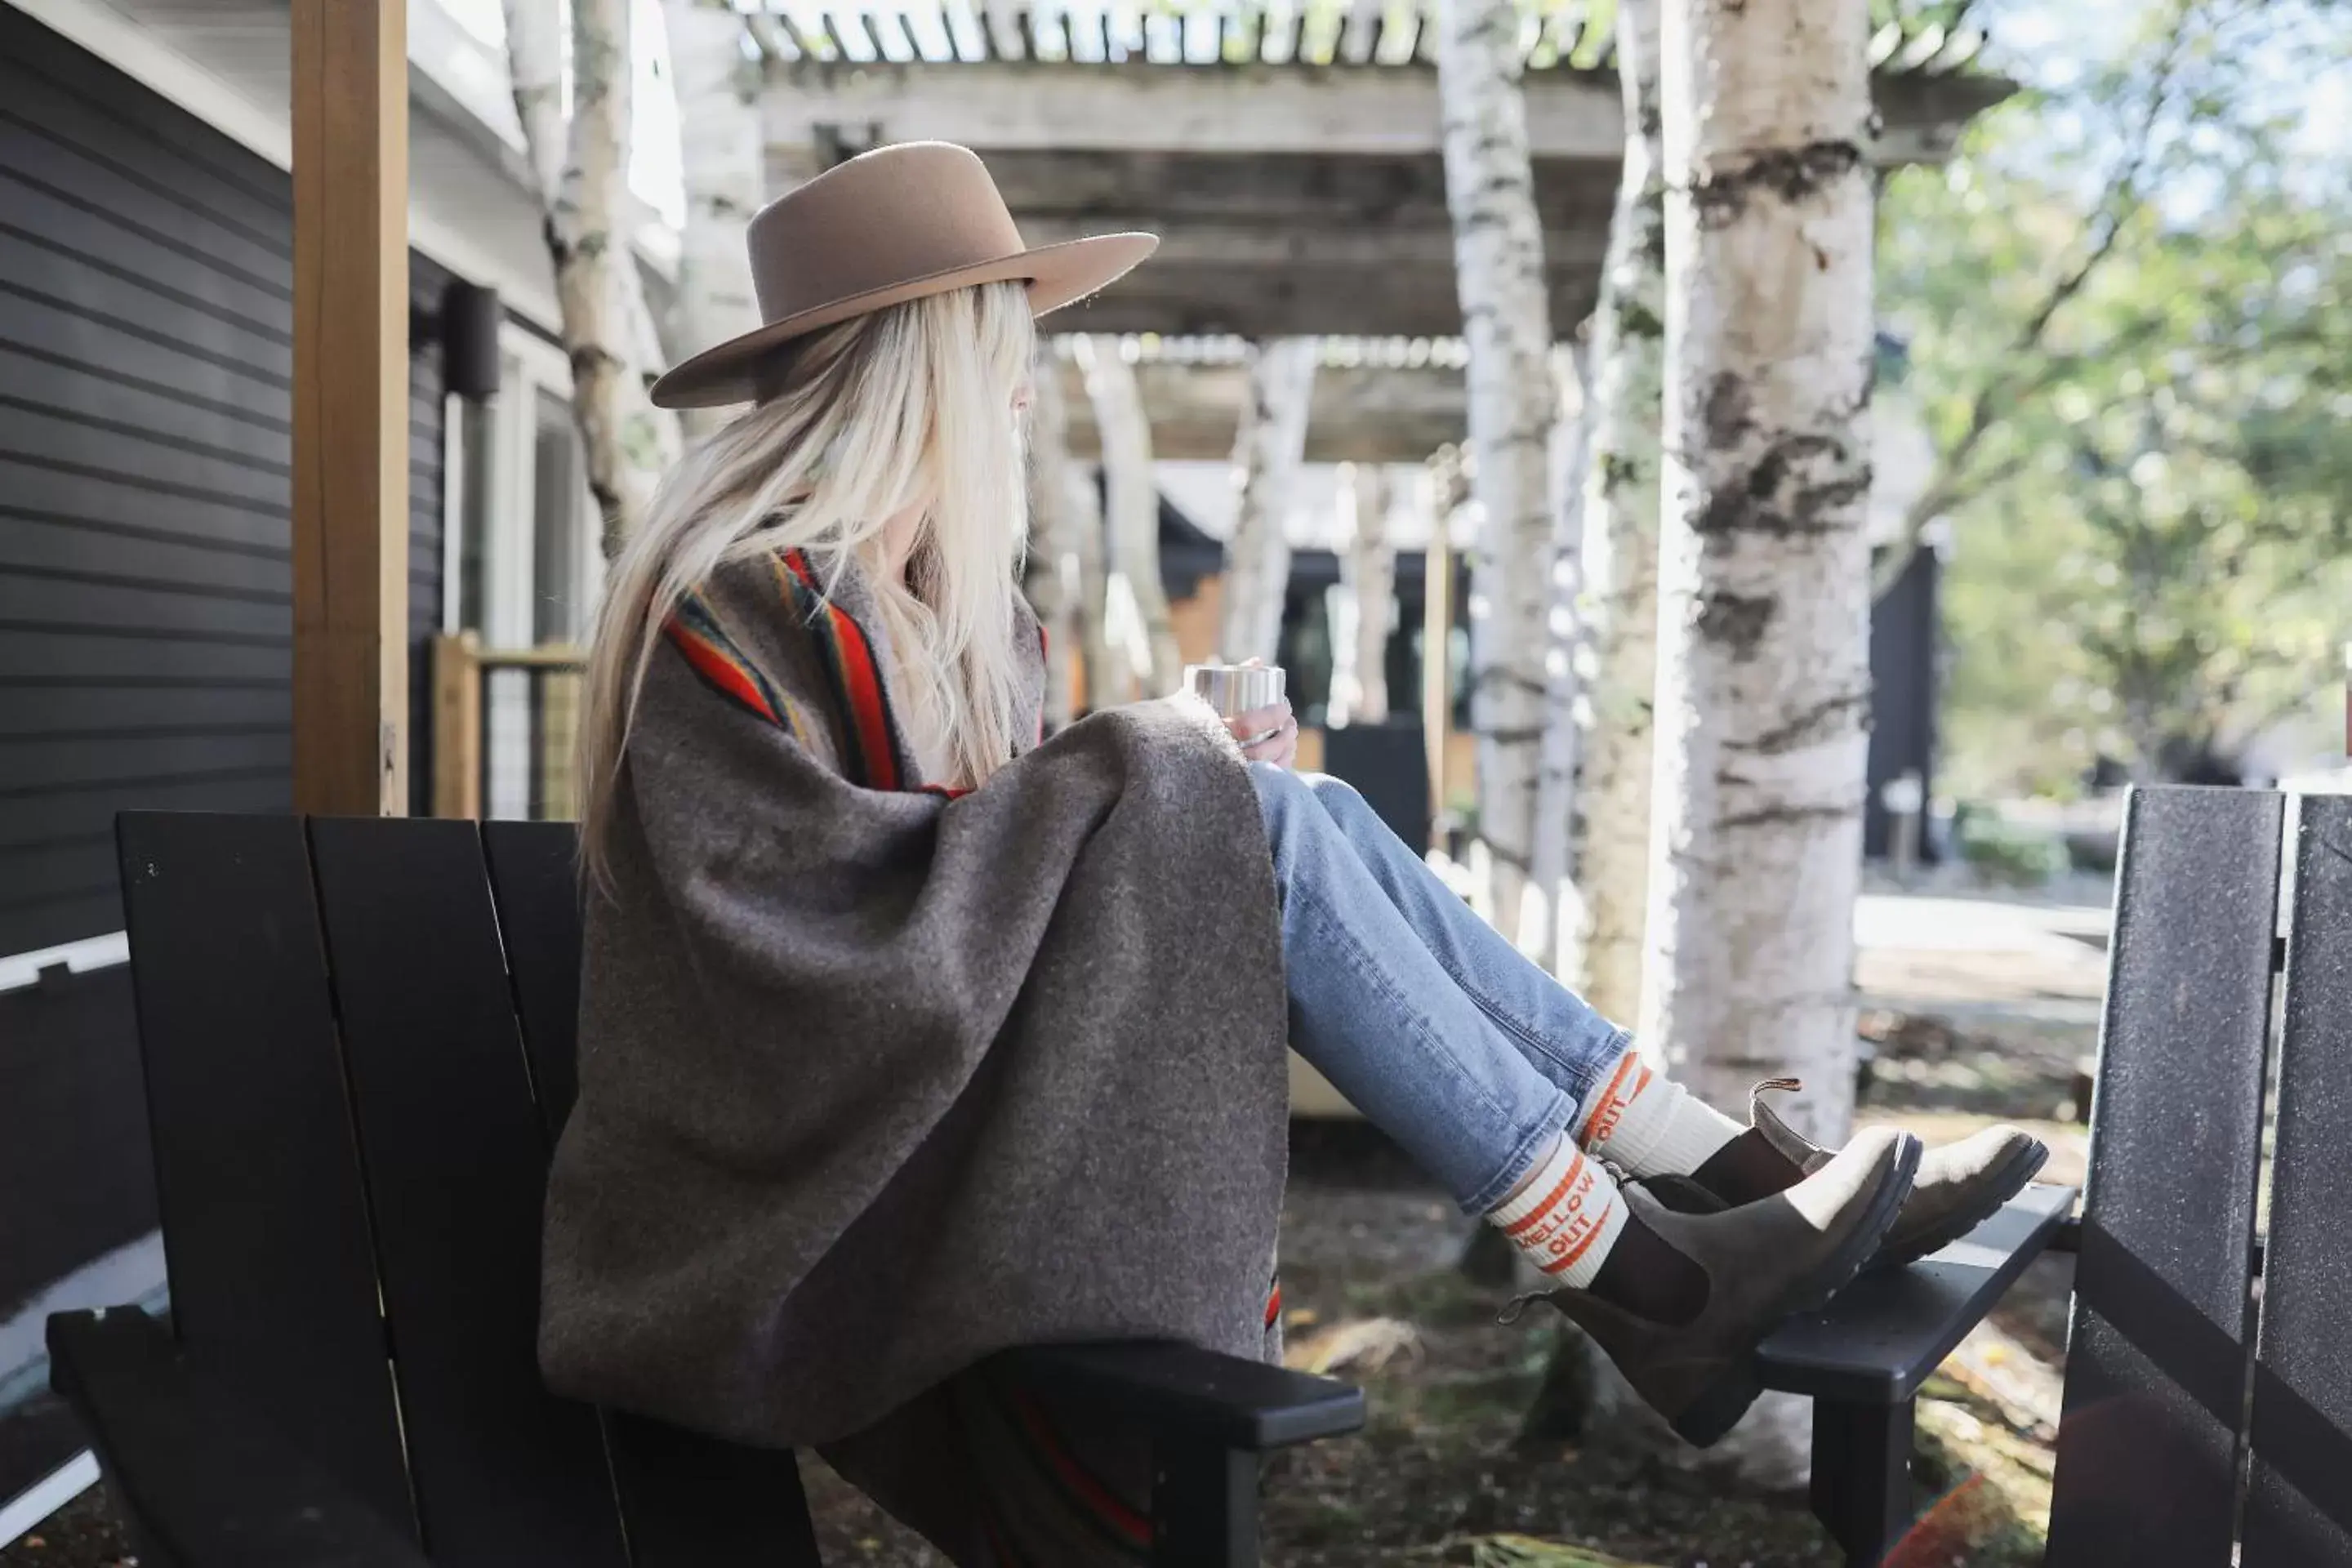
(876, 1079)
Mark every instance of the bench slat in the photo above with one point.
(2298, 1512)
(506, 1474)
(265, 1227)
(536, 884)
(689, 1501)
(2156, 1361)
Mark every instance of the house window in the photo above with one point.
(521, 552)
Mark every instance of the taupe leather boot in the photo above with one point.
(1961, 1185)
(1787, 1253)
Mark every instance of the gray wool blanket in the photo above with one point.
(874, 1081)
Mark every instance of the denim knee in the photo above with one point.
(1345, 802)
(1282, 797)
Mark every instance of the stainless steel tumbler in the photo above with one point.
(1235, 688)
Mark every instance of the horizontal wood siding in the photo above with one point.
(425, 283)
(146, 348)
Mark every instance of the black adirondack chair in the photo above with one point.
(358, 1038)
(2196, 1343)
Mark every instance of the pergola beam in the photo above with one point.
(1251, 110)
(1303, 301)
(1240, 244)
(1360, 413)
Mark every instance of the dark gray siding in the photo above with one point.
(426, 282)
(146, 348)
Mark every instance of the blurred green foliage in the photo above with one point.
(2129, 302)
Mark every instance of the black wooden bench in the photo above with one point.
(358, 1038)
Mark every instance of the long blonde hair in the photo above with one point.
(908, 406)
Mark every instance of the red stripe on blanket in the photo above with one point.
(861, 679)
(1273, 1304)
(720, 667)
(1124, 1520)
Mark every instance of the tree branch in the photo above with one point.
(2120, 199)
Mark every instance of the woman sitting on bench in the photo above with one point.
(910, 1035)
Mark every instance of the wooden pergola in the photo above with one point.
(1294, 172)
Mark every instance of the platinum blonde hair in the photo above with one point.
(911, 407)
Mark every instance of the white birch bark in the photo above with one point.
(1131, 510)
(1051, 574)
(1267, 448)
(1359, 677)
(627, 442)
(1506, 318)
(535, 64)
(1764, 570)
(1552, 904)
(721, 151)
(1621, 523)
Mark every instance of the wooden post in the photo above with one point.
(350, 407)
(1436, 671)
(457, 725)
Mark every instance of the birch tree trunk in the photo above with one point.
(721, 149)
(1621, 523)
(1553, 902)
(1764, 572)
(627, 442)
(1359, 682)
(1051, 574)
(1267, 449)
(535, 65)
(1507, 318)
(1132, 511)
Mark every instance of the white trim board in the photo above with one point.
(266, 129)
(21, 969)
(61, 1487)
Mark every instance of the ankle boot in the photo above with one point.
(1785, 1254)
(1959, 1187)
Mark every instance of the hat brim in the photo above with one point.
(1057, 275)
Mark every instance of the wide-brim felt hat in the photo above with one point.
(897, 223)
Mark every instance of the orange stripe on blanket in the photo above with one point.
(720, 667)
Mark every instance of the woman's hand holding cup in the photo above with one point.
(1266, 729)
(1268, 734)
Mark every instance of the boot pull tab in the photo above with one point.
(1517, 1307)
(1756, 1095)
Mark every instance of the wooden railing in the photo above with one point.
(510, 749)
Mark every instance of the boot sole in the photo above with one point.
(1703, 1423)
(2021, 1168)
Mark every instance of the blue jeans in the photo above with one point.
(1434, 1026)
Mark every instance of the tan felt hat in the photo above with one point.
(890, 226)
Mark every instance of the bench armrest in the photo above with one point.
(1191, 1394)
(209, 1483)
(1877, 1341)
